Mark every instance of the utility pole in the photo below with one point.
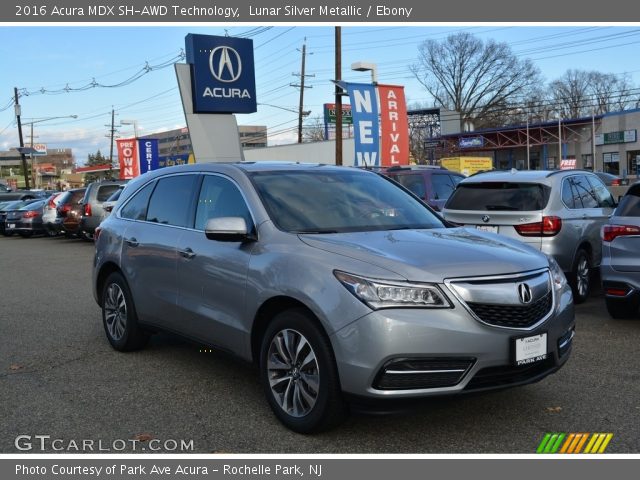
(112, 132)
(22, 157)
(301, 112)
(338, 75)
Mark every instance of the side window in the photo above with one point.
(605, 200)
(136, 207)
(415, 183)
(584, 192)
(219, 197)
(567, 194)
(456, 179)
(442, 186)
(105, 192)
(172, 200)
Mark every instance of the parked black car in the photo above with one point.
(9, 206)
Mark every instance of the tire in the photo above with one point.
(581, 277)
(304, 394)
(119, 316)
(622, 308)
(51, 233)
(6, 233)
(87, 237)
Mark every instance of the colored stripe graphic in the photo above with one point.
(571, 443)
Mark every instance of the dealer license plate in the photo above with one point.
(487, 228)
(11, 226)
(531, 349)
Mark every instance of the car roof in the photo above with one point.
(526, 176)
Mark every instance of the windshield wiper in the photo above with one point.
(501, 207)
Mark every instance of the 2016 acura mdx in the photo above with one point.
(336, 281)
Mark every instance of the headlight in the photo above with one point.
(379, 294)
(557, 275)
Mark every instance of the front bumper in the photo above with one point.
(367, 345)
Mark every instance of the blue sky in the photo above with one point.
(53, 57)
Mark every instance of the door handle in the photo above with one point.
(187, 253)
(132, 242)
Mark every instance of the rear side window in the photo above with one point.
(172, 200)
(105, 191)
(442, 186)
(415, 183)
(136, 207)
(584, 196)
(630, 204)
(505, 196)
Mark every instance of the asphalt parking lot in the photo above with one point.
(59, 377)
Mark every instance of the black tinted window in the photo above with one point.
(630, 204)
(171, 201)
(583, 194)
(105, 191)
(415, 183)
(219, 197)
(136, 208)
(507, 196)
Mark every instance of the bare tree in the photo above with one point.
(579, 93)
(474, 77)
(313, 131)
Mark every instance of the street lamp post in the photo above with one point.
(32, 160)
(559, 140)
(367, 66)
(131, 122)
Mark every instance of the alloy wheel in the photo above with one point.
(293, 372)
(115, 311)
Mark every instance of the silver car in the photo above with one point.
(558, 212)
(337, 282)
(621, 257)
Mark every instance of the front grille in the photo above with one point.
(513, 316)
(503, 376)
(417, 373)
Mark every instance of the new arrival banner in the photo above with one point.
(368, 102)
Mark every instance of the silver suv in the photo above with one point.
(338, 283)
(558, 212)
(621, 258)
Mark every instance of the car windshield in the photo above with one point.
(336, 201)
(630, 203)
(115, 195)
(506, 196)
(33, 205)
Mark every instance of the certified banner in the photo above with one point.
(128, 158)
(148, 151)
(395, 126)
(364, 109)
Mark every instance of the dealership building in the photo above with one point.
(612, 136)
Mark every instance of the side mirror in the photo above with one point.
(227, 229)
(108, 208)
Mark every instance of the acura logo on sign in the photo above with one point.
(486, 218)
(225, 64)
(524, 292)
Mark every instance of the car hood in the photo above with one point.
(433, 255)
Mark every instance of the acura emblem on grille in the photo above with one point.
(486, 218)
(524, 292)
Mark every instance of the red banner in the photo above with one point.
(394, 126)
(128, 158)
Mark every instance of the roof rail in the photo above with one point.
(556, 172)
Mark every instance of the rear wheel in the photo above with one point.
(86, 236)
(581, 277)
(622, 308)
(299, 375)
(119, 316)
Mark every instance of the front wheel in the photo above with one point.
(581, 277)
(119, 316)
(299, 375)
